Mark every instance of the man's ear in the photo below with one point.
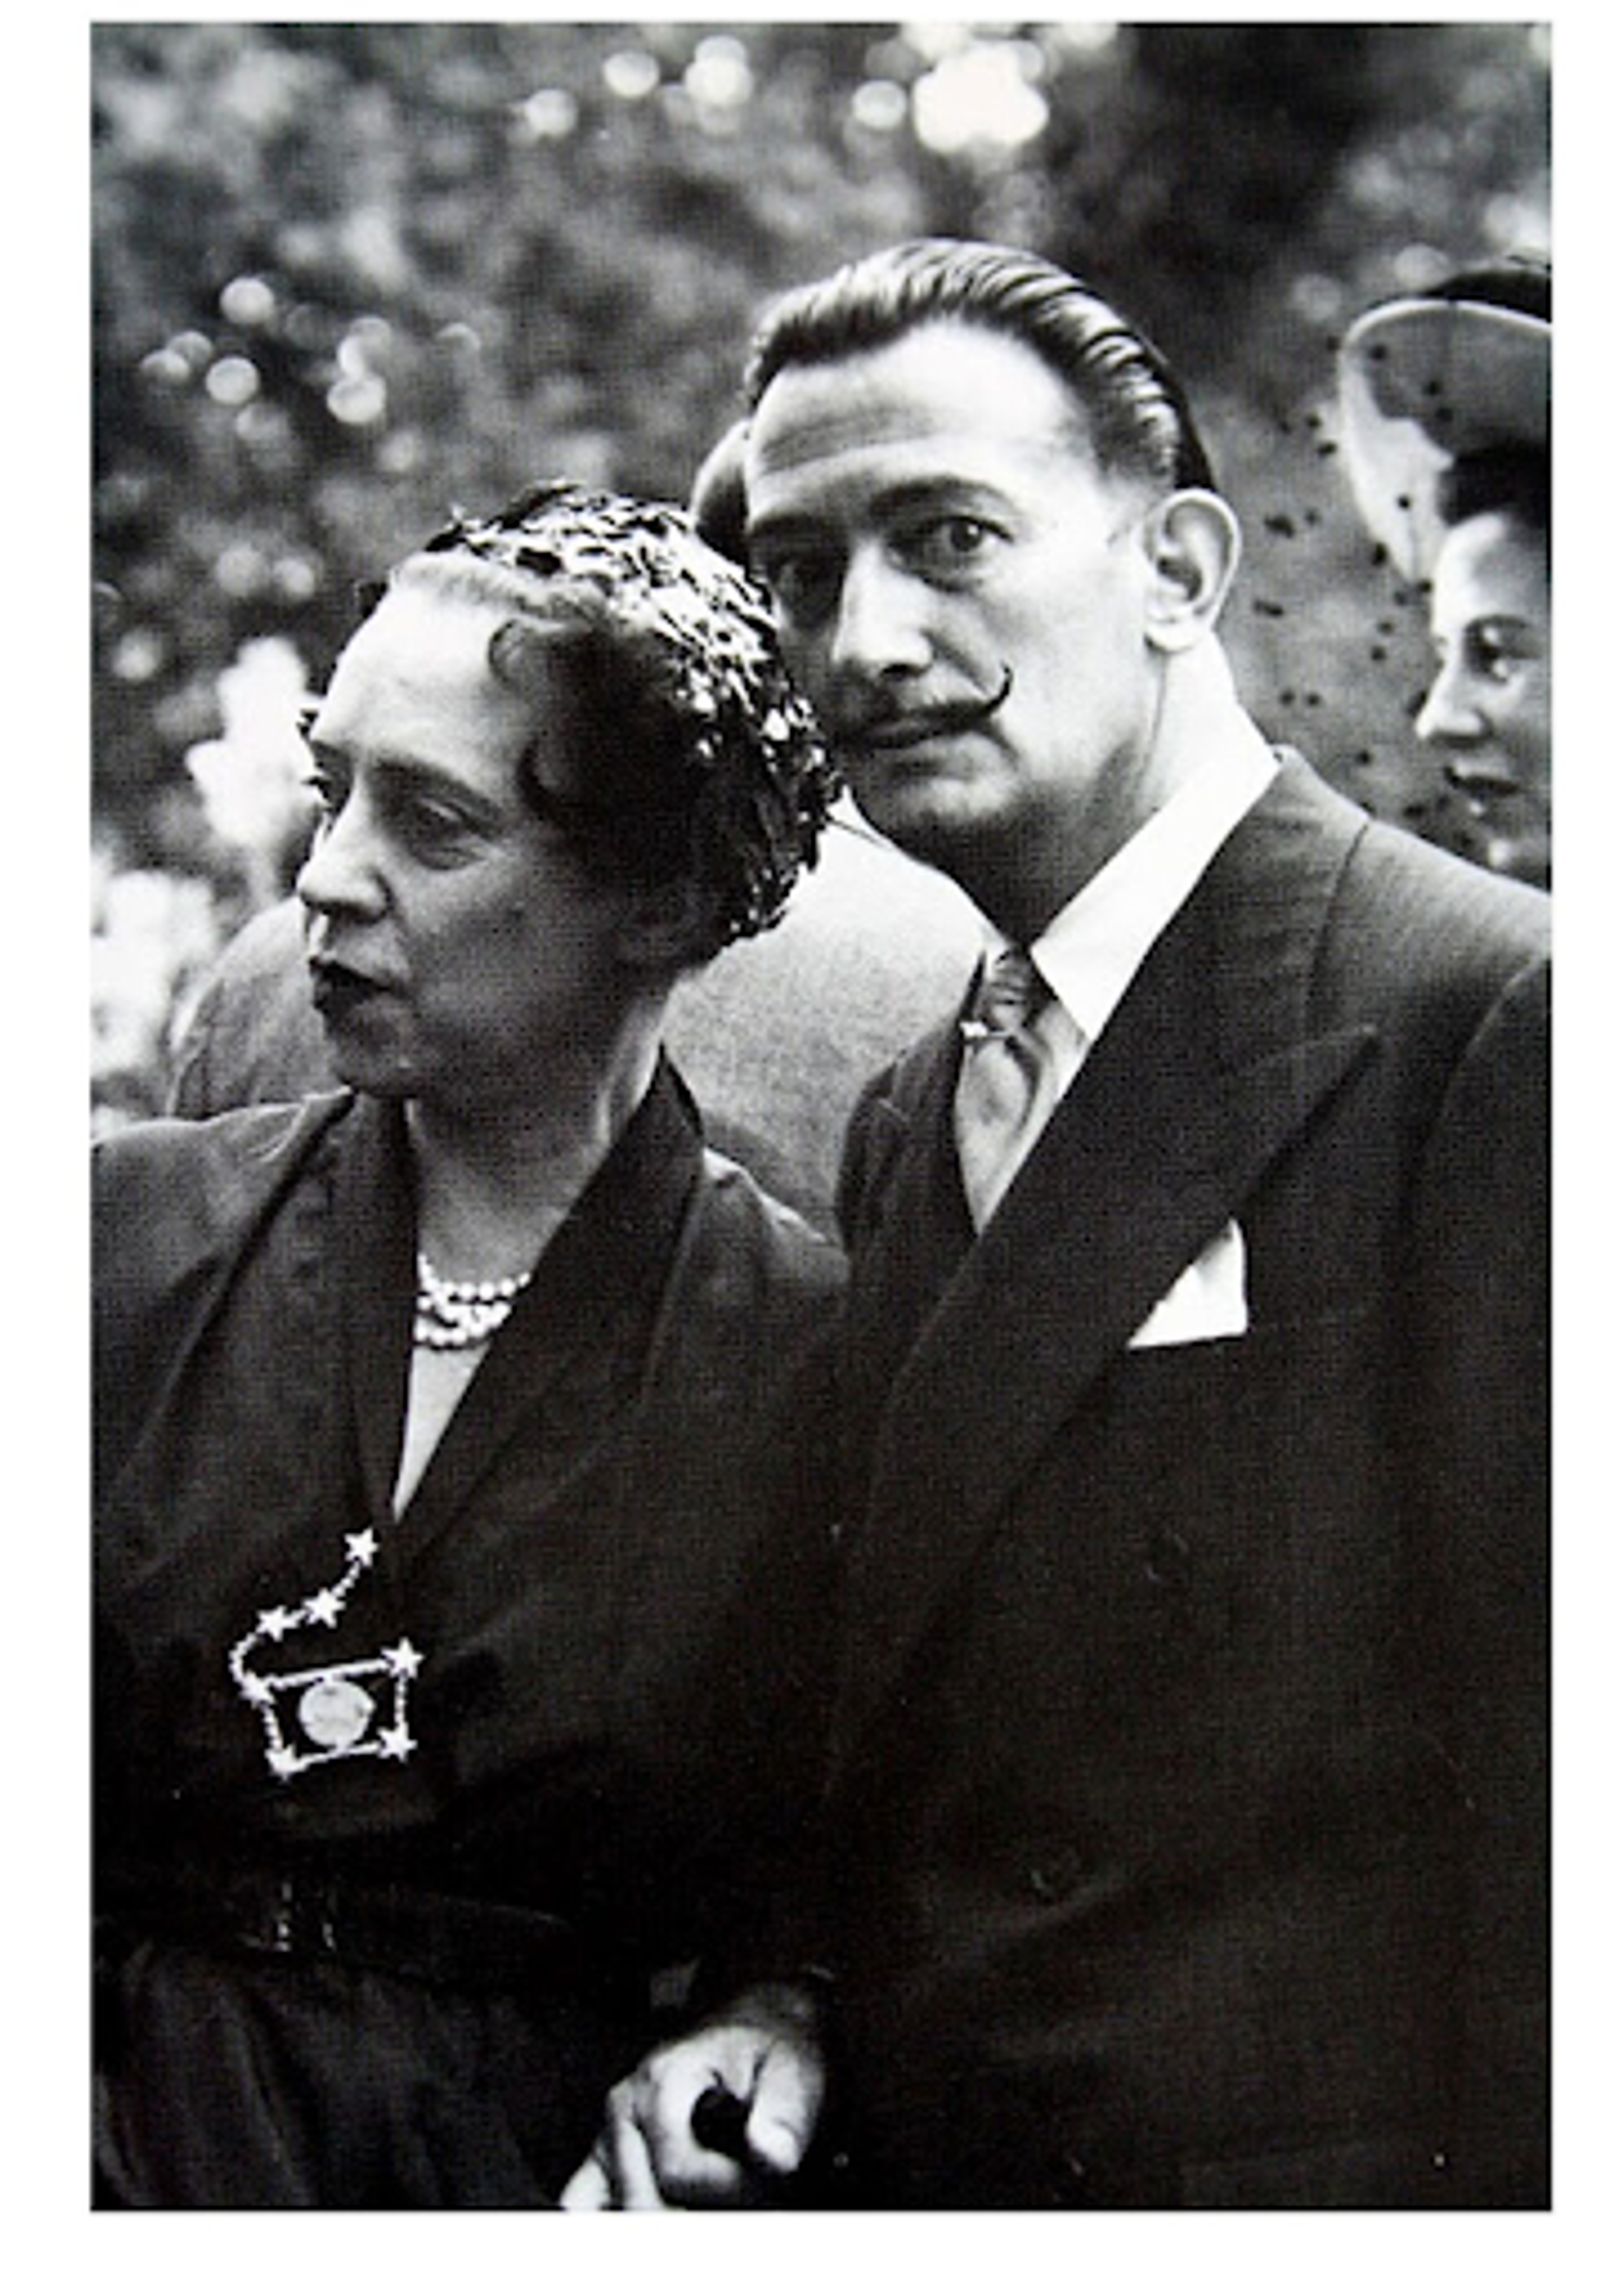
(1191, 540)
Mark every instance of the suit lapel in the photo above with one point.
(915, 1231)
(1207, 1070)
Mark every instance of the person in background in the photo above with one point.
(774, 1039)
(1186, 1803)
(1445, 404)
(458, 1591)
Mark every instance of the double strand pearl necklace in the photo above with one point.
(450, 1314)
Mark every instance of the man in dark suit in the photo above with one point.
(1186, 1792)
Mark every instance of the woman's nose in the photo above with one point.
(1449, 714)
(340, 872)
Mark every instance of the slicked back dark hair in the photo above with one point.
(1133, 406)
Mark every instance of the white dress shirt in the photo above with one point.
(1090, 952)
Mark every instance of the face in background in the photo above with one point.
(962, 592)
(459, 950)
(1488, 707)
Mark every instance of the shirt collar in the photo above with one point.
(1090, 951)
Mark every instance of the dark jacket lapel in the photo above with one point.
(374, 1243)
(583, 1320)
(1209, 1067)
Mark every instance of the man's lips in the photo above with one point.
(914, 729)
(899, 734)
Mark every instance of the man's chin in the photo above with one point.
(932, 817)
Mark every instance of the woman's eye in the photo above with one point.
(1490, 659)
(1499, 651)
(432, 830)
(428, 823)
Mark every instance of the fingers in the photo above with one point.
(784, 2114)
(647, 2155)
(629, 2163)
(714, 2121)
(588, 2188)
(683, 2115)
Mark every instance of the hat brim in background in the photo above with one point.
(1422, 382)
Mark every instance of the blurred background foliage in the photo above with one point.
(348, 275)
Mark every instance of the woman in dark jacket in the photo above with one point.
(456, 1562)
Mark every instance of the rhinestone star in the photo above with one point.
(324, 1607)
(404, 1660)
(277, 1623)
(362, 1547)
(396, 1742)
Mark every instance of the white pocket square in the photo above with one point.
(1207, 1303)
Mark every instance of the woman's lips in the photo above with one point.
(337, 990)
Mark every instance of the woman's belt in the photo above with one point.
(469, 1944)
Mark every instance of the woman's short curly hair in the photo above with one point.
(693, 759)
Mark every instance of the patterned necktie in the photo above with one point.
(1006, 1081)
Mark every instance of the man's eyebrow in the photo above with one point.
(778, 525)
(890, 501)
(943, 485)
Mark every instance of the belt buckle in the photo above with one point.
(283, 1916)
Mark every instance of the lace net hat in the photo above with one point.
(697, 754)
(1426, 380)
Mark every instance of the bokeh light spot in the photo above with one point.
(982, 95)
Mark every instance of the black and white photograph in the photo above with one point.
(819, 1404)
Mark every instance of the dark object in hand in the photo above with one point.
(719, 2121)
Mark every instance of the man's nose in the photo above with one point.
(878, 628)
(340, 873)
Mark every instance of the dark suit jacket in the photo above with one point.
(1189, 1776)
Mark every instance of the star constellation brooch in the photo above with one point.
(332, 1713)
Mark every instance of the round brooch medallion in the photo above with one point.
(333, 1713)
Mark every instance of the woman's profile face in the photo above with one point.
(1488, 705)
(459, 950)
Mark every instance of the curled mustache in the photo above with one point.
(933, 719)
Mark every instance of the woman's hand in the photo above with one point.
(716, 2119)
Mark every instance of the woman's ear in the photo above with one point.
(1191, 540)
(659, 929)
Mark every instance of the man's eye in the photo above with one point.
(950, 544)
(804, 583)
(323, 791)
